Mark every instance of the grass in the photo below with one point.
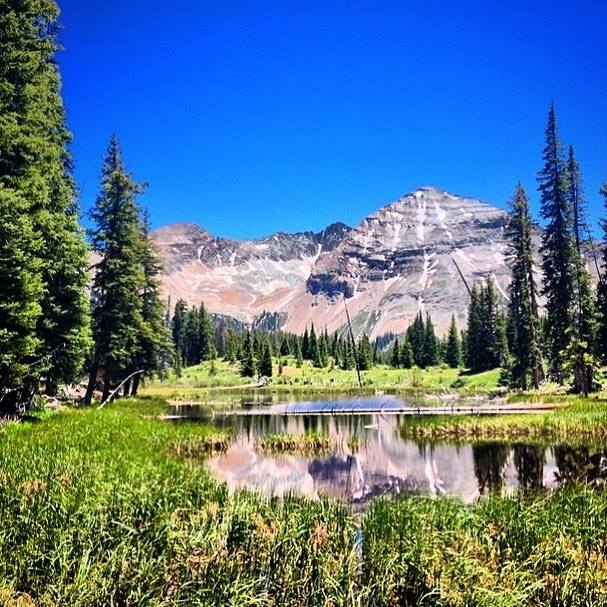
(296, 443)
(201, 382)
(581, 420)
(97, 508)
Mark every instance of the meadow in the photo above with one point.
(114, 507)
(198, 382)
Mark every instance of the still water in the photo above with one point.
(379, 462)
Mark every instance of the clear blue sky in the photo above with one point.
(252, 117)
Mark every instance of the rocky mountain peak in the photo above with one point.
(394, 263)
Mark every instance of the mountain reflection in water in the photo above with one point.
(385, 464)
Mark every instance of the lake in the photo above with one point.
(369, 458)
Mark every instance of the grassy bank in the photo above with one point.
(106, 508)
(579, 420)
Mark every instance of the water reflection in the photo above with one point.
(380, 462)
(490, 462)
(581, 464)
(529, 462)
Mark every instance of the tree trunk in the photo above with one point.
(52, 386)
(88, 397)
(107, 383)
(135, 386)
(126, 389)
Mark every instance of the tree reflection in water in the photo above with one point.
(529, 463)
(489, 465)
(581, 465)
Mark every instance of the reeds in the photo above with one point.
(307, 444)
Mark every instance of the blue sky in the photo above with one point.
(254, 117)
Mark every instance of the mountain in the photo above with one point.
(396, 262)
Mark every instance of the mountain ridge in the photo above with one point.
(394, 263)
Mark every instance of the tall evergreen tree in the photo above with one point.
(265, 364)
(474, 342)
(335, 347)
(406, 354)
(395, 356)
(305, 346)
(416, 334)
(430, 350)
(524, 321)
(192, 338)
(154, 338)
(602, 286)
(348, 361)
(232, 352)
(314, 350)
(492, 345)
(486, 339)
(582, 348)
(365, 353)
(208, 349)
(248, 366)
(298, 355)
(119, 278)
(453, 347)
(21, 288)
(557, 249)
(178, 326)
(43, 256)
(324, 347)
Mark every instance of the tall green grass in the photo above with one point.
(100, 508)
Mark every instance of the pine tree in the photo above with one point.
(44, 272)
(474, 353)
(501, 335)
(192, 338)
(153, 340)
(365, 353)
(430, 349)
(119, 279)
(581, 354)
(406, 354)
(21, 288)
(453, 348)
(265, 365)
(335, 347)
(486, 338)
(323, 346)
(416, 334)
(298, 356)
(492, 345)
(178, 325)
(248, 364)
(524, 323)
(314, 351)
(305, 346)
(232, 353)
(284, 347)
(395, 356)
(557, 249)
(347, 360)
(602, 286)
